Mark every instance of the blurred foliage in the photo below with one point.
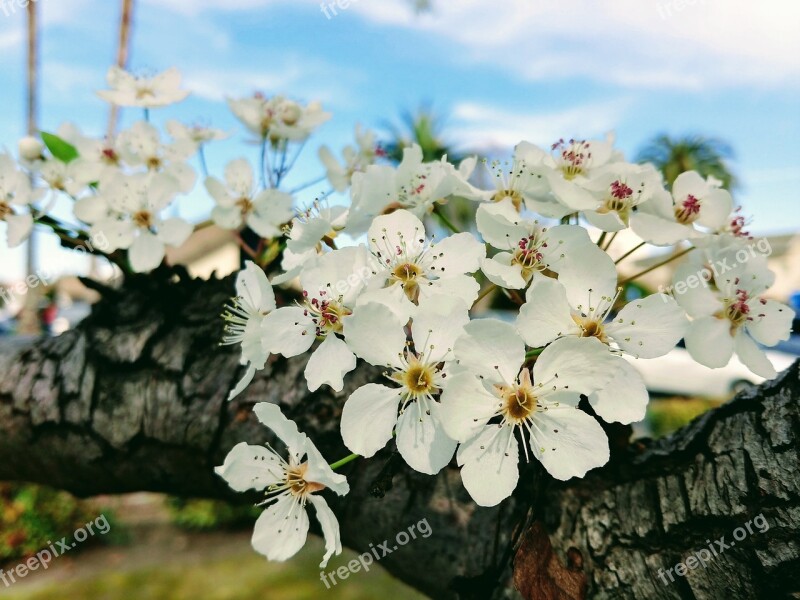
(669, 414)
(201, 515)
(673, 156)
(32, 517)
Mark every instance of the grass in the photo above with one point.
(665, 415)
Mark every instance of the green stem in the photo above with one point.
(656, 266)
(610, 241)
(485, 293)
(344, 461)
(628, 253)
(445, 221)
(533, 353)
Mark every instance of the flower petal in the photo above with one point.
(248, 467)
(437, 324)
(623, 399)
(375, 333)
(500, 224)
(421, 438)
(329, 364)
(568, 442)
(319, 471)
(772, 322)
(399, 229)
(243, 382)
(174, 232)
(368, 418)
(281, 530)
(330, 528)
(650, 327)
(490, 464)
(492, 349)
(290, 331)
(456, 254)
(709, 341)
(466, 406)
(271, 416)
(583, 364)
(590, 280)
(500, 271)
(253, 287)
(753, 357)
(546, 315)
(146, 252)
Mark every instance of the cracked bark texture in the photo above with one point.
(134, 400)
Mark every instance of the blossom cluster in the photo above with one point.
(387, 279)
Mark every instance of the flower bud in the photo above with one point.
(30, 148)
(291, 112)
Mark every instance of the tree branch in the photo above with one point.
(134, 400)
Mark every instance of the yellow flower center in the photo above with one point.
(245, 205)
(519, 401)
(297, 484)
(516, 198)
(591, 328)
(419, 379)
(143, 219)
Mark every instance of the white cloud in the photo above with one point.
(636, 43)
(10, 39)
(217, 84)
(194, 7)
(305, 79)
(483, 128)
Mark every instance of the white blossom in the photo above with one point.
(289, 485)
(16, 196)
(239, 202)
(245, 321)
(408, 267)
(146, 92)
(494, 402)
(331, 284)
(526, 246)
(418, 374)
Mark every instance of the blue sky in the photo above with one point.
(500, 72)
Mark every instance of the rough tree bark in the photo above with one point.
(134, 399)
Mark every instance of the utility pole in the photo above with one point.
(32, 108)
(123, 52)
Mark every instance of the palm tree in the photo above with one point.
(673, 156)
(423, 128)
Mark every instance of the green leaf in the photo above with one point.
(61, 149)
